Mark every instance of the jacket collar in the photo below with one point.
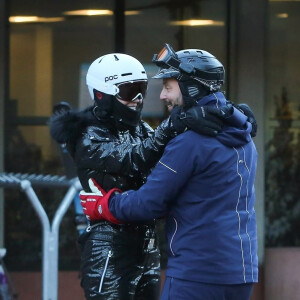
(217, 98)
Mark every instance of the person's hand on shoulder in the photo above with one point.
(209, 120)
(206, 120)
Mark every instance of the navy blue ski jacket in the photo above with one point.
(204, 187)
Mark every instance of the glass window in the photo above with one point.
(182, 24)
(49, 56)
(283, 125)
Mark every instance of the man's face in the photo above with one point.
(171, 94)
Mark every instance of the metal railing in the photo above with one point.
(50, 232)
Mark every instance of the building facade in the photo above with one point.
(46, 47)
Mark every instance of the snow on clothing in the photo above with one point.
(205, 188)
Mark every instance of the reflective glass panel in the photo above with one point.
(282, 159)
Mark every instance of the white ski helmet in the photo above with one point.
(111, 70)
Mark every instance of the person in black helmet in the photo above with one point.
(202, 185)
(198, 74)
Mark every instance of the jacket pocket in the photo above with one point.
(109, 255)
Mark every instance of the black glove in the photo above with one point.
(246, 110)
(206, 120)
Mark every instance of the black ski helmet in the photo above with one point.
(195, 68)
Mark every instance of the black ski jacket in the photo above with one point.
(114, 155)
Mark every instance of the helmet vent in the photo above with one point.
(199, 51)
(116, 57)
(143, 72)
(193, 91)
(126, 74)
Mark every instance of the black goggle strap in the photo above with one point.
(208, 75)
(168, 58)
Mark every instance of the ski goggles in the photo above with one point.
(166, 58)
(132, 90)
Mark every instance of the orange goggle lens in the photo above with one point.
(162, 54)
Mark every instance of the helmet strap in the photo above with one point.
(103, 102)
(192, 92)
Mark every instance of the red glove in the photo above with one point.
(95, 204)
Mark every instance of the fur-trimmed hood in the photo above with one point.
(67, 126)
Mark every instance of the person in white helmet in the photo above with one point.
(110, 143)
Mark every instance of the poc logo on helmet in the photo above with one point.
(111, 78)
